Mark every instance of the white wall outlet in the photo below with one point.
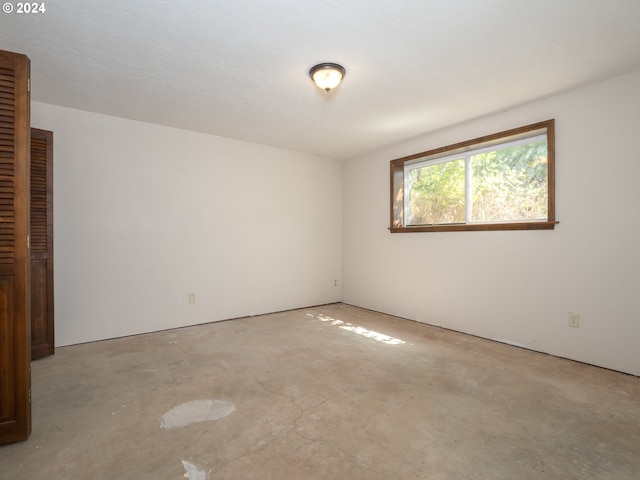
(335, 283)
(574, 320)
(192, 298)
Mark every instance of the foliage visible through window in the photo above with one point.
(503, 181)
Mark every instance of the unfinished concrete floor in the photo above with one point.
(332, 392)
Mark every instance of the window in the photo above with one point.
(503, 181)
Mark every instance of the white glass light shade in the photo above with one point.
(327, 75)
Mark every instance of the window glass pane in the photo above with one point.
(502, 181)
(436, 194)
(510, 184)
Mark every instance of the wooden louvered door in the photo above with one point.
(42, 337)
(15, 341)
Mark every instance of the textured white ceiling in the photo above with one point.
(238, 68)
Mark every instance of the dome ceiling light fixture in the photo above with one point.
(327, 75)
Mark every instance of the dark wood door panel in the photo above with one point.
(41, 334)
(7, 351)
(15, 302)
(42, 318)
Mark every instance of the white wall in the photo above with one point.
(146, 214)
(519, 286)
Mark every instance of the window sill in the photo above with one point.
(476, 227)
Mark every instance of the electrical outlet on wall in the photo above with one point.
(192, 298)
(574, 320)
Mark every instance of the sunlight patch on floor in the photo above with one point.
(380, 337)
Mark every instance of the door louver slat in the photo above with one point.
(7, 150)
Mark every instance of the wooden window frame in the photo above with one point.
(397, 183)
